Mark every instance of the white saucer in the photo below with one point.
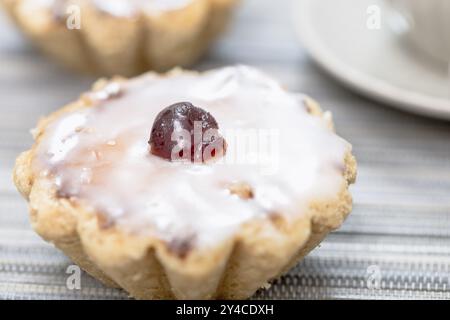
(378, 63)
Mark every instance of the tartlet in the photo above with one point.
(122, 37)
(163, 229)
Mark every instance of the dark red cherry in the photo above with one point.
(183, 131)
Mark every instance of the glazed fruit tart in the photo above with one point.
(122, 37)
(187, 185)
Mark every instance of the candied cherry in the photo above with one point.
(183, 131)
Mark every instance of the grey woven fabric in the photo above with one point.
(395, 244)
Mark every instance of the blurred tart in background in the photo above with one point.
(122, 37)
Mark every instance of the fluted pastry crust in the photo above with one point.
(125, 45)
(148, 268)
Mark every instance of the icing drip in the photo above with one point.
(120, 8)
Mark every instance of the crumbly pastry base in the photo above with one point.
(148, 269)
(110, 45)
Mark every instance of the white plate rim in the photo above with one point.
(377, 89)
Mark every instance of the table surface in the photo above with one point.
(397, 236)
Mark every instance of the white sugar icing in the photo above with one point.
(100, 155)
